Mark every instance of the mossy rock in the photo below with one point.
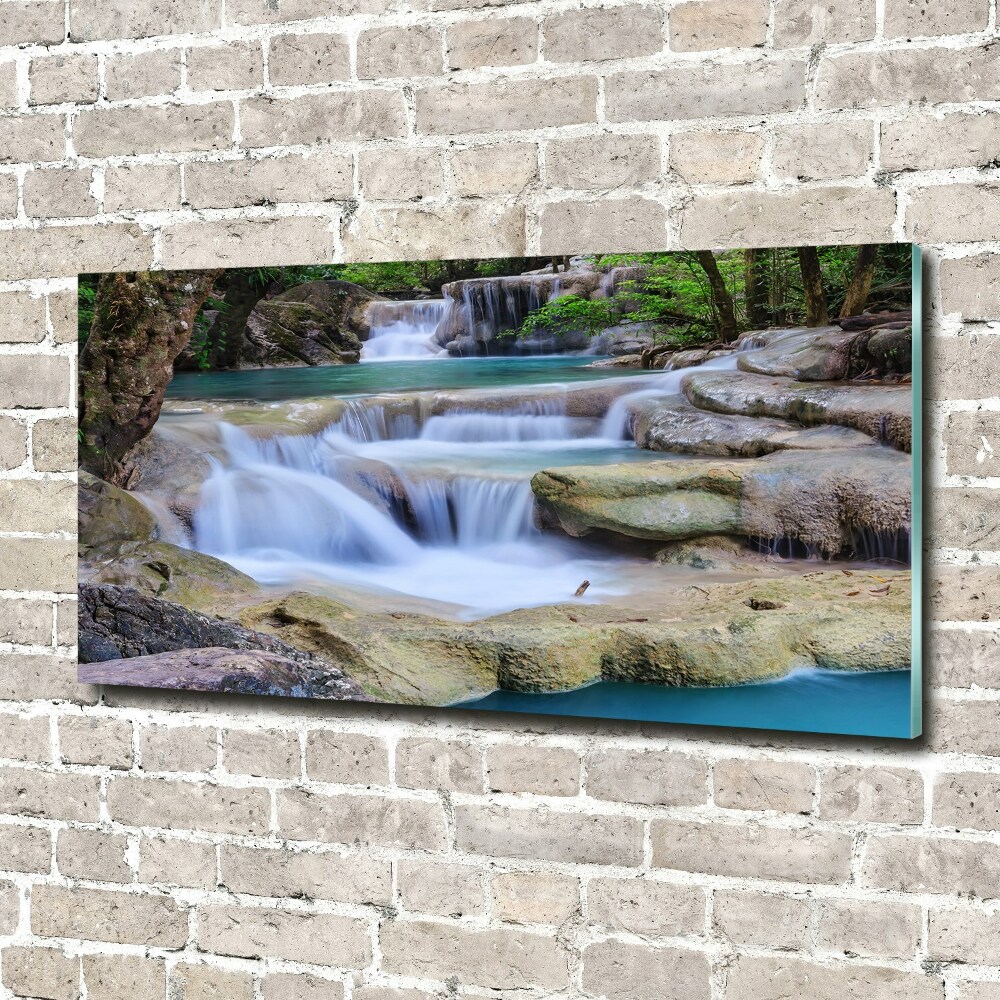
(108, 514)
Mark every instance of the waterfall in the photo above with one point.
(403, 330)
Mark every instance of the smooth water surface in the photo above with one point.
(819, 701)
(273, 384)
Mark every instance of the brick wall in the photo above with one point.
(153, 845)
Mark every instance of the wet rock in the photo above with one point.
(670, 423)
(867, 321)
(882, 411)
(623, 361)
(829, 501)
(316, 323)
(155, 643)
(811, 355)
(891, 349)
(109, 514)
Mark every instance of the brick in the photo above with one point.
(401, 174)
(645, 906)
(621, 970)
(142, 187)
(963, 727)
(26, 676)
(460, 108)
(701, 25)
(169, 129)
(205, 982)
(293, 935)
(971, 286)
(296, 986)
(597, 34)
(963, 518)
(439, 764)
(933, 142)
(181, 805)
(178, 748)
(960, 366)
(548, 836)
(709, 91)
(42, 973)
(963, 659)
(805, 22)
(54, 445)
(823, 152)
(481, 171)
(967, 800)
(33, 22)
(348, 877)
(65, 330)
(439, 888)
(23, 318)
(765, 978)
(115, 917)
(952, 213)
(288, 179)
(783, 786)
(962, 593)
(390, 993)
(535, 897)
(466, 229)
(88, 739)
(871, 795)
(25, 738)
(508, 41)
(296, 60)
(406, 51)
(962, 934)
(25, 622)
(762, 919)
(123, 977)
(796, 217)
(13, 443)
(144, 74)
(869, 928)
(938, 865)
(286, 11)
(603, 161)
(347, 758)
(33, 139)
(91, 20)
(57, 194)
(920, 18)
(976, 990)
(166, 861)
(534, 769)
(94, 855)
(48, 795)
(355, 114)
(266, 753)
(67, 627)
(8, 196)
(907, 76)
(660, 778)
(63, 79)
(25, 849)
(364, 819)
(10, 908)
(752, 851)
(233, 66)
(517, 959)
(716, 157)
(237, 242)
(633, 223)
(36, 563)
(9, 97)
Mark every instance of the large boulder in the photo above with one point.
(884, 412)
(130, 629)
(316, 323)
(108, 514)
(832, 502)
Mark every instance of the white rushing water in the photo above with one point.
(403, 330)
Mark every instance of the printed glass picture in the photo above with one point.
(675, 487)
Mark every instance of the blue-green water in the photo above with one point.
(818, 701)
(273, 384)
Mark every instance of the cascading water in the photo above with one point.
(403, 330)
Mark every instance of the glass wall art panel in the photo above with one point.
(672, 487)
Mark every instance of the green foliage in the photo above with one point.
(569, 314)
(202, 345)
(86, 299)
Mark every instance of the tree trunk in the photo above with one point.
(755, 289)
(242, 294)
(142, 321)
(724, 309)
(817, 313)
(861, 280)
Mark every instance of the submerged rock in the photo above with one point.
(316, 323)
(884, 412)
(827, 500)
